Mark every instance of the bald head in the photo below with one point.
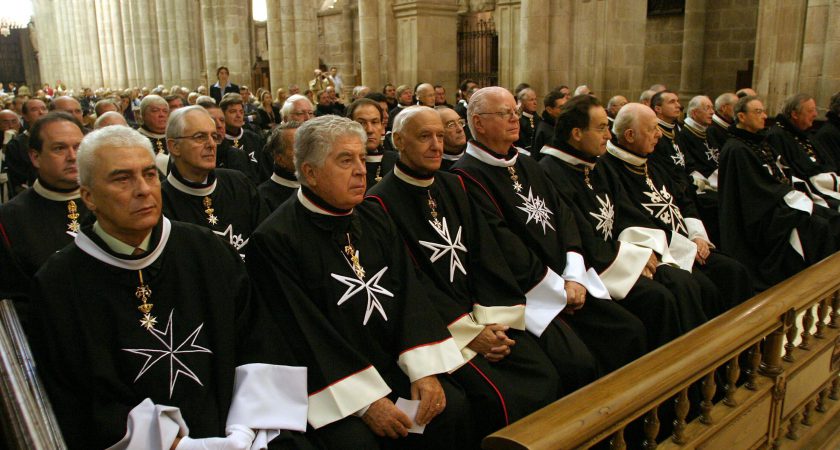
(493, 119)
(636, 128)
(109, 118)
(69, 105)
(615, 104)
(425, 94)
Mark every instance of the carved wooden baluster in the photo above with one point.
(790, 335)
(708, 388)
(807, 323)
(681, 409)
(754, 360)
(732, 372)
(835, 311)
(807, 419)
(821, 406)
(793, 426)
(617, 441)
(822, 313)
(651, 429)
(771, 363)
(835, 389)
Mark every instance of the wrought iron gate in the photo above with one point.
(478, 50)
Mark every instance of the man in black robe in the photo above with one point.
(350, 303)
(668, 154)
(718, 131)
(237, 136)
(805, 159)
(526, 104)
(223, 200)
(154, 113)
(46, 217)
(227, 156)
(454, 139)
(553, 102)
(508, 376)
(283, 183)
(516, 191)
(21, 171)
(664, 298)
(657, 195)
(378, 161)
(405, 98)
(828, 136)
(147, 334)
(772, 228)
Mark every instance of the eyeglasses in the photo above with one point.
(451, 124)
(504, 115)
(203, 138)
(758, 111)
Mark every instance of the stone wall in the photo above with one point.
(730, 43)
(663, 52)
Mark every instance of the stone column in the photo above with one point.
(694, 37)
(369, 44)
(778, 53)
(387, 44)
(105, 34)
(131, 41)
(507, 19)
(93, 66)
(275, 45)
(165, 16)
(427, 42)
(820, 74)
(118, 45)
(533, 45)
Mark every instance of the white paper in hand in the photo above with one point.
(409, 407)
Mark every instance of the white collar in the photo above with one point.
(308, 204)
(399, 173)
(624, 155)
(199, 192)
(720, 121)
(284, 181)
(485, 157)
(87, 245)
(53, 195)
(527, 115)
(241, 133)
(148, 133)
(374, 158)
(565, 157)
(693, 124)
(669, 126)
(449, 157)
(117, 245)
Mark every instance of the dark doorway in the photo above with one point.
(478, 49)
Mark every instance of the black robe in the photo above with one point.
(20, 169)
(361, 338)
(158, 142)
(718, 132)
(217, 92)
(537, 216)
(828, 136)
(670, 304)
(807, 160)
(228, 157)
(657, 195)
(763, 216)
(701, 163)
(527, 132)
(470, 288)
(669, 156)
(378, 164)
(98, 362)
(278, 188)
(544, 134)
(251, 144)
(237, 207)
(33, 226)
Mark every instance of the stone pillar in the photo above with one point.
(131, 42)
(292, 42)
(275, 45)
(778, 53)
(533, 45)
(694, 37)
(105, 35)
(93, 63)
(120, 71)
(369, 44)
(387, 44)
(165, 18)
(820, 77)
(507, 19)
(427, 42)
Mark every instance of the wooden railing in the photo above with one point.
(763, 375)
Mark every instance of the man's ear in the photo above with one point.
(34, 157)
(87, 197)
(577, 134)
(308, 173)
(398, 140)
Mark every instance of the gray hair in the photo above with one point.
(582, 90)
(794, 103)
(204, 99)
(626, 118)
(695, 103)
(727, 98)
(646, 96)
(615, 99)
(177, 120)
(275, 144)
(741, 106)
(406, 115)
(103, 102)
(358, 91)
(112, 137)
(315, 138)
(100, 121)
(478, 101)
(289, 105)
(149, 101)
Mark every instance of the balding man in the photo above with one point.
(425, 94)
(514, 190)
(718, 131)
(20, 169)
(109, 118)
(526, 104)
(454, 138)
(613, 106)
(656, 194)
(806, 159)
(283, 183)
(69, 105)
(298, 108)
(744, 92)
(646, 96)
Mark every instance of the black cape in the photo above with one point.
(251, 144)
(527, 132)
(378, 164)
(278, 188)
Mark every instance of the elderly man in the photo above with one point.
(174, 101)
(701, 158)
(553, 103)
(806, 159)
(103, 106)
(454, 139)
(768, 225)
(154, 113)
(195, 191)
(20, 169)
(109, 118)
(44, 218)
(353, 306)
(123, 381)
(297, 108)
(666, 105)
(474, 291)
(283, 182)
(249, 142)
(378, 161)
(405, 98)
(723, 118)
(69, 105)
(526, 104)
(227, 157)
(425, 94)
(646, 96)
(515, 190)
(656, 194)
(664, 298)
(440, 96)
